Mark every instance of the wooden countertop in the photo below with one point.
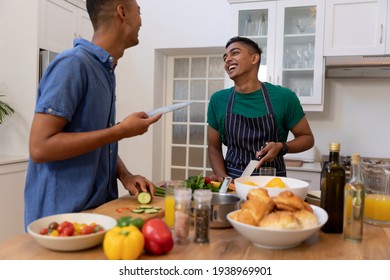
(226, 244)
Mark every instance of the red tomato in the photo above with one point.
(44, 231)
(207, 180)
(158, 237)
(87, 230)
(68, 230)
(63, 225)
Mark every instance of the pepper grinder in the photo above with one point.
(202, 212)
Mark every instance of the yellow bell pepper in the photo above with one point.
(123, 243)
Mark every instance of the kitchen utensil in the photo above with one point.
(225, 185)
(221, 205)
(167, 109)
(250, 168)
(298, 187)
(278, 238)
(71, 243)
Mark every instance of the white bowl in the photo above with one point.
(296, 186)
(71, 243)
(278, 238)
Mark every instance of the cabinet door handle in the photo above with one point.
(381, 34)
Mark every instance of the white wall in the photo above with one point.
(357, 114)
(18, 71)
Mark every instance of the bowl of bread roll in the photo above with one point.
(273, 184)
(276, 222)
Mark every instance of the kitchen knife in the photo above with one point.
(167, 109)
(249, 168)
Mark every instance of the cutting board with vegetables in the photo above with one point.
(129, 206)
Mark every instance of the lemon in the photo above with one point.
(216, 184)
(250, 183)
(275, 183)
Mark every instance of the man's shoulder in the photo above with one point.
(277, 89)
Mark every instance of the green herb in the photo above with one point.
(198, 182)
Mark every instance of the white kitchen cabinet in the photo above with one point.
(357, 27)
(309, 172)
(12, 180)
(291, 36)
(60, 23)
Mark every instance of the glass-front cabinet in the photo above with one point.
(290, 33)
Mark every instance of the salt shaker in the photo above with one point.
(202, 212)
(182, 214)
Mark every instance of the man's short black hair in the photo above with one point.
(252, 44)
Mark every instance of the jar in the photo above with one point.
(182, 215)
(202, 212)
(376, 178)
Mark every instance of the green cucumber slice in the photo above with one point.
(144, 197)
(151, 211)
(145, 207)
(137, 211)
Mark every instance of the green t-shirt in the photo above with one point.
(286, 105)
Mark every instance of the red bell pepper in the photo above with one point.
(158, 237)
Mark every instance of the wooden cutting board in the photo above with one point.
(122, 207)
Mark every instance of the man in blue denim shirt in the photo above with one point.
(74, 162)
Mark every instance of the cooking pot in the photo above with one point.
(221, 205)
(376, 177)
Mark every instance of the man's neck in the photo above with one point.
(247, 86)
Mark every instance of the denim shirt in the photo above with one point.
(78, 85)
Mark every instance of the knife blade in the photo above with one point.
(169, 108)
(250, 168)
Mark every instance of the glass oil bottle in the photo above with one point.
(354, 203)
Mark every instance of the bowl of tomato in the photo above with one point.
(71, 231)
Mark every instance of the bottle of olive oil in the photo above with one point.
(354, 203)
(332, 191)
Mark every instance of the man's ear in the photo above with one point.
(256, 58)
(121, 11)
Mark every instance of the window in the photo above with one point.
(190, 78)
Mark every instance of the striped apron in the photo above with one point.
(245, 136)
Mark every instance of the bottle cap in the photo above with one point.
(203, 195)
(355, 159)
(334, 147)
(183, 194)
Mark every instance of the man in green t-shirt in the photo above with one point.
(252, 118)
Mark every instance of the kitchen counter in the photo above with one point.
(306, 167)
(226, 244)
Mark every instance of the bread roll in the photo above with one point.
(288, 201)
(280, 220)
(306, 218)
(262, 195)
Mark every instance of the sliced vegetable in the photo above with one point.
(145, 207)
(138, 210)
(144, 197)
(151, 211)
